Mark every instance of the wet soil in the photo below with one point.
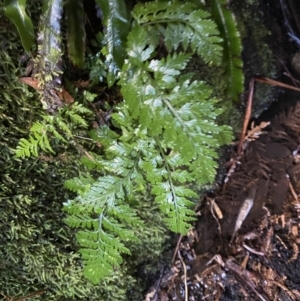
(245, 245)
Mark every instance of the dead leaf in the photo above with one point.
(64, 95)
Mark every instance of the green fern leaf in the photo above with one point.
(15, 10)
(232, 48)
(25, 149)
(76, 32)
(79, 108)
(101, 241)
(73, 113)
(37, 139)
(167, 139)
(117, 20)
(179, 23)
(80, 185)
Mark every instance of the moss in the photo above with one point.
(258, 56)
(37, 248)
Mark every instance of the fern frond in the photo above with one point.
(37, 139)
(26, 148)
(169, 105)
(79, 108)
(169, 135)
(232, 48)
(74, 114)
(102, 238)
(181, 24)
(102, 252)
(80, 185)
(61, 126)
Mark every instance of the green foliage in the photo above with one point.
(232, 48)
(181, 24)
(38, 250)
(15, 11)
(169, 136)
(75, 32)
(62, 124)
(116, 21)
(101, 239)
(166, 139)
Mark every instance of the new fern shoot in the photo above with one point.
(167, 138)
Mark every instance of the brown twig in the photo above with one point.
(176, 249)
(288, 73)
(264, 80)
(273, 82)
(295, 81)
(247, 117)
(292, 190)
(186, 295)
(215, 208)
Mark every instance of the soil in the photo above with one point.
(245, 245)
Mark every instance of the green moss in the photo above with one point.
(37, 250)
(257, 54)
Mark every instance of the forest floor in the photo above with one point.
(245, 245)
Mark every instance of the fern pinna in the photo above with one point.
(168, 137)
(61, 126)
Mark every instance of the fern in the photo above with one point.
(181, 24)
(232, 48)
(106, 218)
(101, 240)
(61, 126)
(39, 139)
(80, 184)
(169, 135)
(166, 140)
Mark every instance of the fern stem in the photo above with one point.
(100, 228)
(161, 21)
(170, 107)
(185, 129)
(168, 170)
(81, 137)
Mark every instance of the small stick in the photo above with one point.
(177, 247)
(295, 81)
(292, 190)
(215, 207)
(23, 298)
(264, 80)
(247, 117)
(186, 295)
(273, 82)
